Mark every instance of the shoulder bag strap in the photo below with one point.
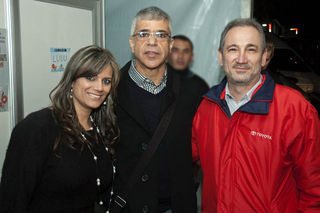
(120, 199)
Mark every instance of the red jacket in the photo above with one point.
(263, 158)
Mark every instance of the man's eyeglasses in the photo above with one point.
(144, 35)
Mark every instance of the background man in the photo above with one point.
(181, 58)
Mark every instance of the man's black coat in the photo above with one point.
(135, 136)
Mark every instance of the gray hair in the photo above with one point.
(150, 13)
(242, 22)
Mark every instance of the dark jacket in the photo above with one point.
(37, 180)
(135, 136)
(200, 84)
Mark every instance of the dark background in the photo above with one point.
(294, 13)
(290, 13)
(285, 14)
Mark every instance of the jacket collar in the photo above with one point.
(259, 103)
(125, 102)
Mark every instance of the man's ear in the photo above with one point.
(132, 44)
(220, 58)
(170, 44)
(264, 61)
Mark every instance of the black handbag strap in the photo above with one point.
(120, 199)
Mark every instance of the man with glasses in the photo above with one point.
(148, 90)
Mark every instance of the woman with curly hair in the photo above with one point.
(60, 158)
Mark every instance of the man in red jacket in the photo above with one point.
(257, 141)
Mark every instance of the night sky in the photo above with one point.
(289, 13)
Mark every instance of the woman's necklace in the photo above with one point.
(95, 158)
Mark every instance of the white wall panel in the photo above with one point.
(5, 115)
(44, 26)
